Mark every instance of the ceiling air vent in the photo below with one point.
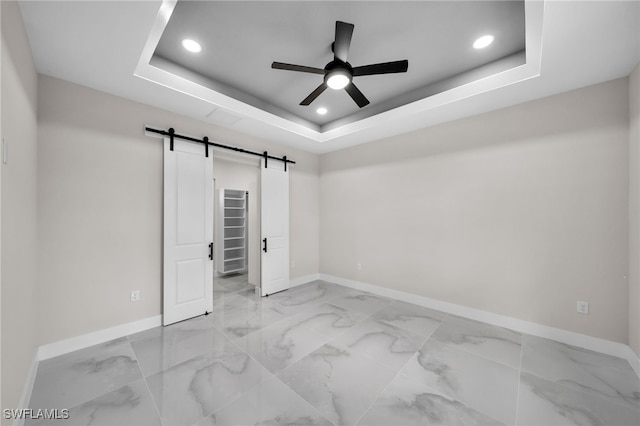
(222, 117)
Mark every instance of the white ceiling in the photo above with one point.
(109, 46)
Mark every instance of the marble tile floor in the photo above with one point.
(321, 354)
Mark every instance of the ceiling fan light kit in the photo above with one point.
(337, 79)
(338, 74)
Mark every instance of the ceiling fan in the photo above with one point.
(338, 74)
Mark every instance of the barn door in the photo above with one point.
(188, 231)
(274, 185)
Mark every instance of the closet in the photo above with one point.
(231, 231)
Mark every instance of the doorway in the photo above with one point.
(237, 257)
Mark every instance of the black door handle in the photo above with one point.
(264, 249)
(210, 251)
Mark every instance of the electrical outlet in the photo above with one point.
(583, 307)
(359, 266)
(135, 295)
(293, 264)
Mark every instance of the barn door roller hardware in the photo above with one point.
(206, 142)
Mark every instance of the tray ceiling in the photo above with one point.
(241, 39)
(118, 47)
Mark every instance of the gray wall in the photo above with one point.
(100, 200)
(520, 212)
(19, 206)
(634, 211)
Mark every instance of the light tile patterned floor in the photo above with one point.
(321, 354)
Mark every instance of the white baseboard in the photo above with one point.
(84, 341)
(633, 359)
(25, 398)
(588, 342)
(303, 280)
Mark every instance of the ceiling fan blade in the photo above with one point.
(300, 68)
(357, 95)
(312, 97)
(344, 31)
(382, 68)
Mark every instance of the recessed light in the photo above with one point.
(322, 110)
(483, 41)
(191, 45)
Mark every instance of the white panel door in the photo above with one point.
(274, 203)
(188, 230)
